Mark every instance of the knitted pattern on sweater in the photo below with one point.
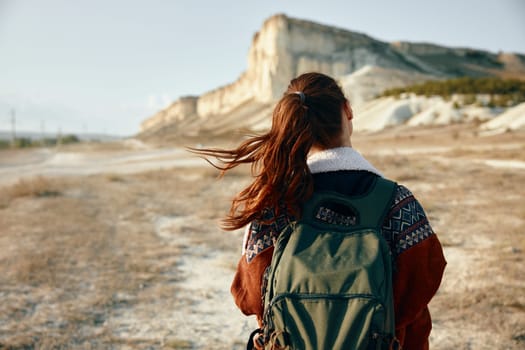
(405, 225)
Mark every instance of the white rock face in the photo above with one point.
(419, 110)
(476, 113)
(285, 48)
(368, 82)
(281, 50)
(512, 119)
(225, 99)
(178, 111)
(383, 112)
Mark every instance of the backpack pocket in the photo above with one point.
(320, 321)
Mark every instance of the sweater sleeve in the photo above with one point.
(418, 269)
(247, 286)
(248, 283)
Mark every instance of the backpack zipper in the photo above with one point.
(314, 296)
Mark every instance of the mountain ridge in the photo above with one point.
(285, 47)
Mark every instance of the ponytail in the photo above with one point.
(308, 114)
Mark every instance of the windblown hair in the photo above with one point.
(282, 180)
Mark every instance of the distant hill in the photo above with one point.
(286, 47)
(6, 136)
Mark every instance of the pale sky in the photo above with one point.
(106, 65)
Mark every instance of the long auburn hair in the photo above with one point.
(282, 179)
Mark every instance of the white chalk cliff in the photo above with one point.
(286, 47)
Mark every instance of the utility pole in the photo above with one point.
(13, 127)
(42, 132)
(59, 137)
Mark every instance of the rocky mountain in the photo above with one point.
(286, 47)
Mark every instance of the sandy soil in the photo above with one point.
(118, 247)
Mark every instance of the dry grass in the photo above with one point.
(81, 264)
(34, 187)
(69, 262)
(72, 263)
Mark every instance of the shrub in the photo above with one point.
(33, 187)
(69, 139)
(508, 91)
(24, 142)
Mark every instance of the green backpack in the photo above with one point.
(330, 279)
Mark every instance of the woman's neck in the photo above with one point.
(345, 142)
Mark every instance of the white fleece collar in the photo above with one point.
(340, 158)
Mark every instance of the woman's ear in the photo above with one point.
(348, 110)
(346, 125)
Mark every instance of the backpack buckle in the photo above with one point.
(395, 344)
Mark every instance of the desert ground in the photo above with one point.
(117, 246)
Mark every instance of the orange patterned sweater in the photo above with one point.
(418, 265)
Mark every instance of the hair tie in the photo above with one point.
(301, 95)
